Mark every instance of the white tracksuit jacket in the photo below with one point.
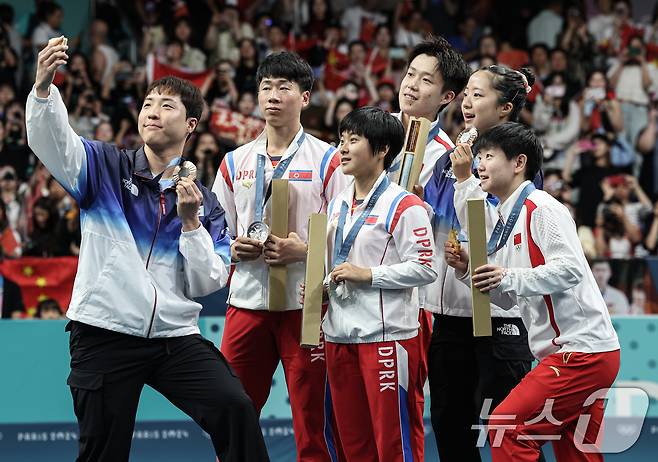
(550, 280)
(315, 177)
(396, 243)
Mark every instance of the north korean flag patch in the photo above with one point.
(517, 239)
(371, 219)
(300, 175)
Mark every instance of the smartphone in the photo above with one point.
(555, 91)
(586, 144)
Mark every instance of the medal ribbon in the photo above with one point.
(342, 248)
(278, 173)
(502, 230)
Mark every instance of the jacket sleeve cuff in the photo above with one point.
(377, 276)
(470, 183)
(195, 241)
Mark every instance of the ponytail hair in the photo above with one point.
(512, 86)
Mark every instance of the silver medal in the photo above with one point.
(258, 231)
(468, 136)
(186, 170)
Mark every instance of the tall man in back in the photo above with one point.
(436, 73)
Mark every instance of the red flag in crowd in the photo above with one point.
(155, 69)
(42, 278)
(235, 127)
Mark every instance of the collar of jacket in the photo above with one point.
(142, 170)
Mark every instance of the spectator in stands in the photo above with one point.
(559, 60)
(219, 88)
(10, 246)
(88, 114)
(545, 27)
(206, 156)
(50, 16)
(153, 31)
(102, 56)
(630, 78)
(539, 61)
(49, 309)
(467, 39)
(76, 80)
(336, 111)
(651, 240)
(594, 157)
(615, 234)
(193, 59)
(615, 299)
(11, 299)
(410, 28)
(123, 90)
(556, 117)
(11, 200)
(16, 155)
(225, 33)
(638, 298)
(173, 54)
(317, 19)
(276, 39)
(12, 37)
(15, 125)
(245, 72)
(361, 20)
(556, 186)
(599, 108)
(648, 148)
(8, 58)
(578, 43)
(7, 95)
(602, 25)
(487, 49)
(68, 234)
(104, 132)
(385, 96)
(42, 240)
(380, 58)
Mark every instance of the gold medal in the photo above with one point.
(452, 238)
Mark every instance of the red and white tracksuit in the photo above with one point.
(373, 356)
(569, 332)
(255, 340)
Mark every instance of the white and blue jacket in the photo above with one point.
(137, 272)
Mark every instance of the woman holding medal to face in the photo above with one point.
(465, 370)
(380, 248)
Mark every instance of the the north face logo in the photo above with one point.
(130, 186)
(508, 329)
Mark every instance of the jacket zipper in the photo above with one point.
(161, 212)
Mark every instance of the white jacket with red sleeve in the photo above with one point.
(549, 278)
(315, 177)
(396, 242)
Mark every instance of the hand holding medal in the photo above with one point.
(462, 156)
(189, 196)
(186, 170)
(454, 241)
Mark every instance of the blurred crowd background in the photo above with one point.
(594, 103)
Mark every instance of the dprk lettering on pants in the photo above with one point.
(387, 377)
